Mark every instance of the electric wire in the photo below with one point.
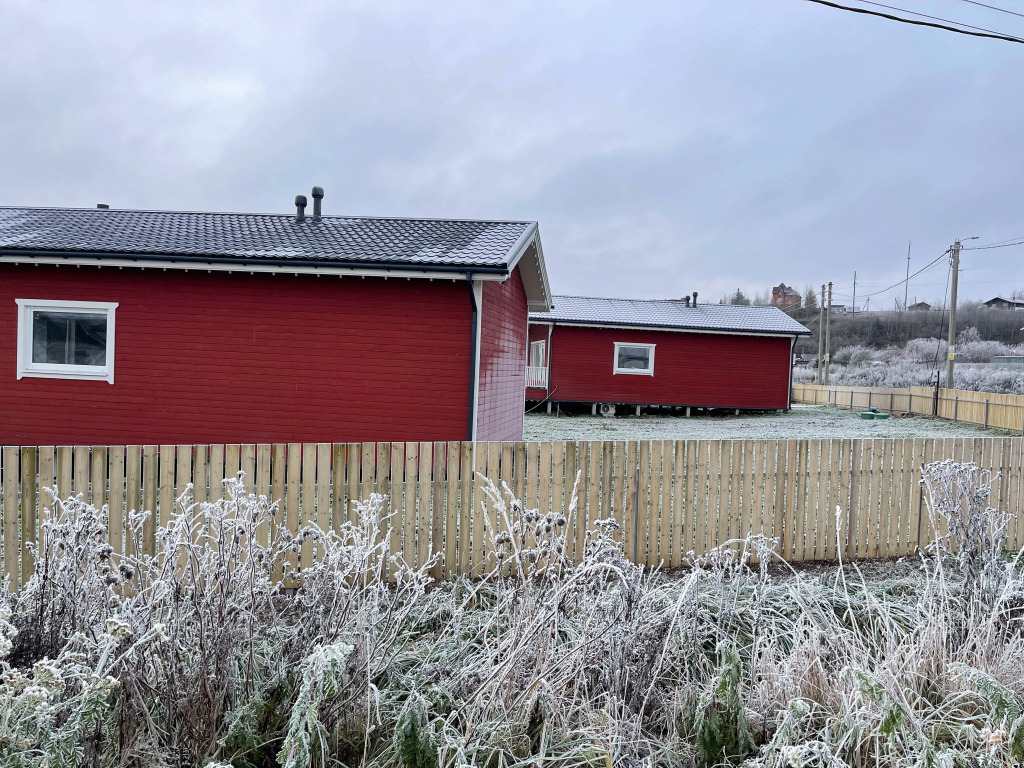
(891, 17)
(994, 8)
(907, 279)
(989, 247)
(926, 16)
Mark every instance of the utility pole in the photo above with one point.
(855, 293)
(828, 333)
(821, 333)
(951, 354)
(906, 285)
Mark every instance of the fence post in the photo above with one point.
(956, 406)
(890, 402)
(869, 399)
(986, 413)
(851, 399)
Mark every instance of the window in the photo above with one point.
(634, 358)
(537, 354)
(66, 339)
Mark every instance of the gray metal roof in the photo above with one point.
(670, 314)
(262, 238)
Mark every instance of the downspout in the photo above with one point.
(472, 358)
(789, 400)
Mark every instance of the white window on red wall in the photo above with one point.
(537, 354)
(66, 339)
(635, 359)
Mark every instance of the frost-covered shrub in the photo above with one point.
(853, 356)
(198, 657)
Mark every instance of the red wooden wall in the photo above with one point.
(503, 331)
(711, 370)
(211, 358)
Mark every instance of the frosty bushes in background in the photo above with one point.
(195, 657)
(915, 365)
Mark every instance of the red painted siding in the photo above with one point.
(689, 369)
(503, 329)
(209, 358)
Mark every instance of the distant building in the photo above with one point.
(1000, 302)
(784, 296)
(838, 309)
(921, 306)
(602, 351)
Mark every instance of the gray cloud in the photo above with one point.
(664, 148)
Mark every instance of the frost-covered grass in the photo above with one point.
(196, 658)
(802, 422)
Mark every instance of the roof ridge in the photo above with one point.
(525, 222)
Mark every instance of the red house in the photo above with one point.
(678, 353)
(262, 327)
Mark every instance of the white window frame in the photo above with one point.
(29, 369)
(632, 371)
(543, 354)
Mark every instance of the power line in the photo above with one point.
(926, 16)
(994, 8)
(915, 22)
(988, 247)
(906, 279)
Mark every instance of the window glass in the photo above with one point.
(635, 358)
(537, 354)
(69, 338)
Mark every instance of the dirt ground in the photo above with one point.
(802, 422)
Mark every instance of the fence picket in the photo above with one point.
(9, 481)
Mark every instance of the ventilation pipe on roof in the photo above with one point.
(318, 195)
(300, 209)
(695, 298)
(103, 206)
(686, 300)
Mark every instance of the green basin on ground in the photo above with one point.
(881, 415)
(867, 415)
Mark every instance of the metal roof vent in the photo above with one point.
(686, 300)
(695, 298)
(318, 195)
(103, 206)
(300, 209)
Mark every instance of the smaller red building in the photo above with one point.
(676, 353)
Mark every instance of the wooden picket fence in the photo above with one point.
(673, 499)
(985, 409)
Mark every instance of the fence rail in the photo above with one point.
(985, 409)
(671, 498)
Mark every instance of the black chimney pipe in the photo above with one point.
(300, 209)
(686, 300)
(103, 206)
(318, 195)
(695, 298)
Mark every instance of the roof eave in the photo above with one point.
(533, 269)
(247, 263)
(651, 327)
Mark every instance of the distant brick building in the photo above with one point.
(784, 296)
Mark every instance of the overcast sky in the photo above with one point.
(663, 147)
